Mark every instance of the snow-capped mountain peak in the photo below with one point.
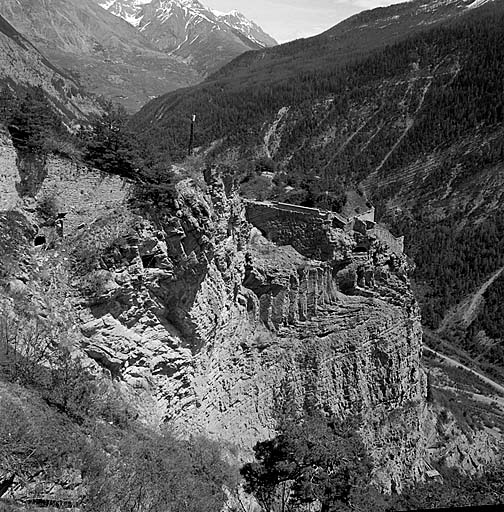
(238, 21)
(139, 12)
(205, 38)
(128, 10)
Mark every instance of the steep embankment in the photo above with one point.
(22, 64)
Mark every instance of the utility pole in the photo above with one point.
(191, 136)
(326, 171)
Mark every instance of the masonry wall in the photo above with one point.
(82, 193)
(395, 244)
(306, 231)
(9, 175)
(312, 232)
(368, 216)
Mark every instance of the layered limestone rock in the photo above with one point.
(214, 326)
(218, 328)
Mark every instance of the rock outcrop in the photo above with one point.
(218, 328)
(214, 324)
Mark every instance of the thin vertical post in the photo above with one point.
(191, 136)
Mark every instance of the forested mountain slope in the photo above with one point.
(416, 126)
(352, 38)
(239, 98)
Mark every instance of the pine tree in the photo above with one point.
(312, 459)
(34, 122)
(110, 142)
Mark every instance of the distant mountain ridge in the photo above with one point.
(132, 51)
(102, 51)
(186, 28)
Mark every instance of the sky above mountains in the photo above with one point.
(286, 20)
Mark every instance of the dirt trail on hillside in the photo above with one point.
(465, 312)
(478, 397)
(453, 362)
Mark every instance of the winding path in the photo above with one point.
(453, 362)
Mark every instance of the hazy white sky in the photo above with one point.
(291, 19)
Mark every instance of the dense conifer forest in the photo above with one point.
(235, 108)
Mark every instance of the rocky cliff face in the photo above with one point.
(213, 323)
(214, 328)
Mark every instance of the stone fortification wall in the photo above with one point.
(305, 229)
(336, 219)
(9, 175)
(312, 231)
(83, 194)
(368, 216)
(382, 234)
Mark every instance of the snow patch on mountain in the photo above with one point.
(134, 12)
(254, 32)
(478, 3)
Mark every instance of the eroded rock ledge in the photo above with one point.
(216, 326)
(211, 317)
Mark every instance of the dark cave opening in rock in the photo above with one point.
(149, 261)
(39, 240)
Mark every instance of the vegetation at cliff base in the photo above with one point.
(312, 459)
(318, 460)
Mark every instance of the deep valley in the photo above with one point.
(293, 304)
